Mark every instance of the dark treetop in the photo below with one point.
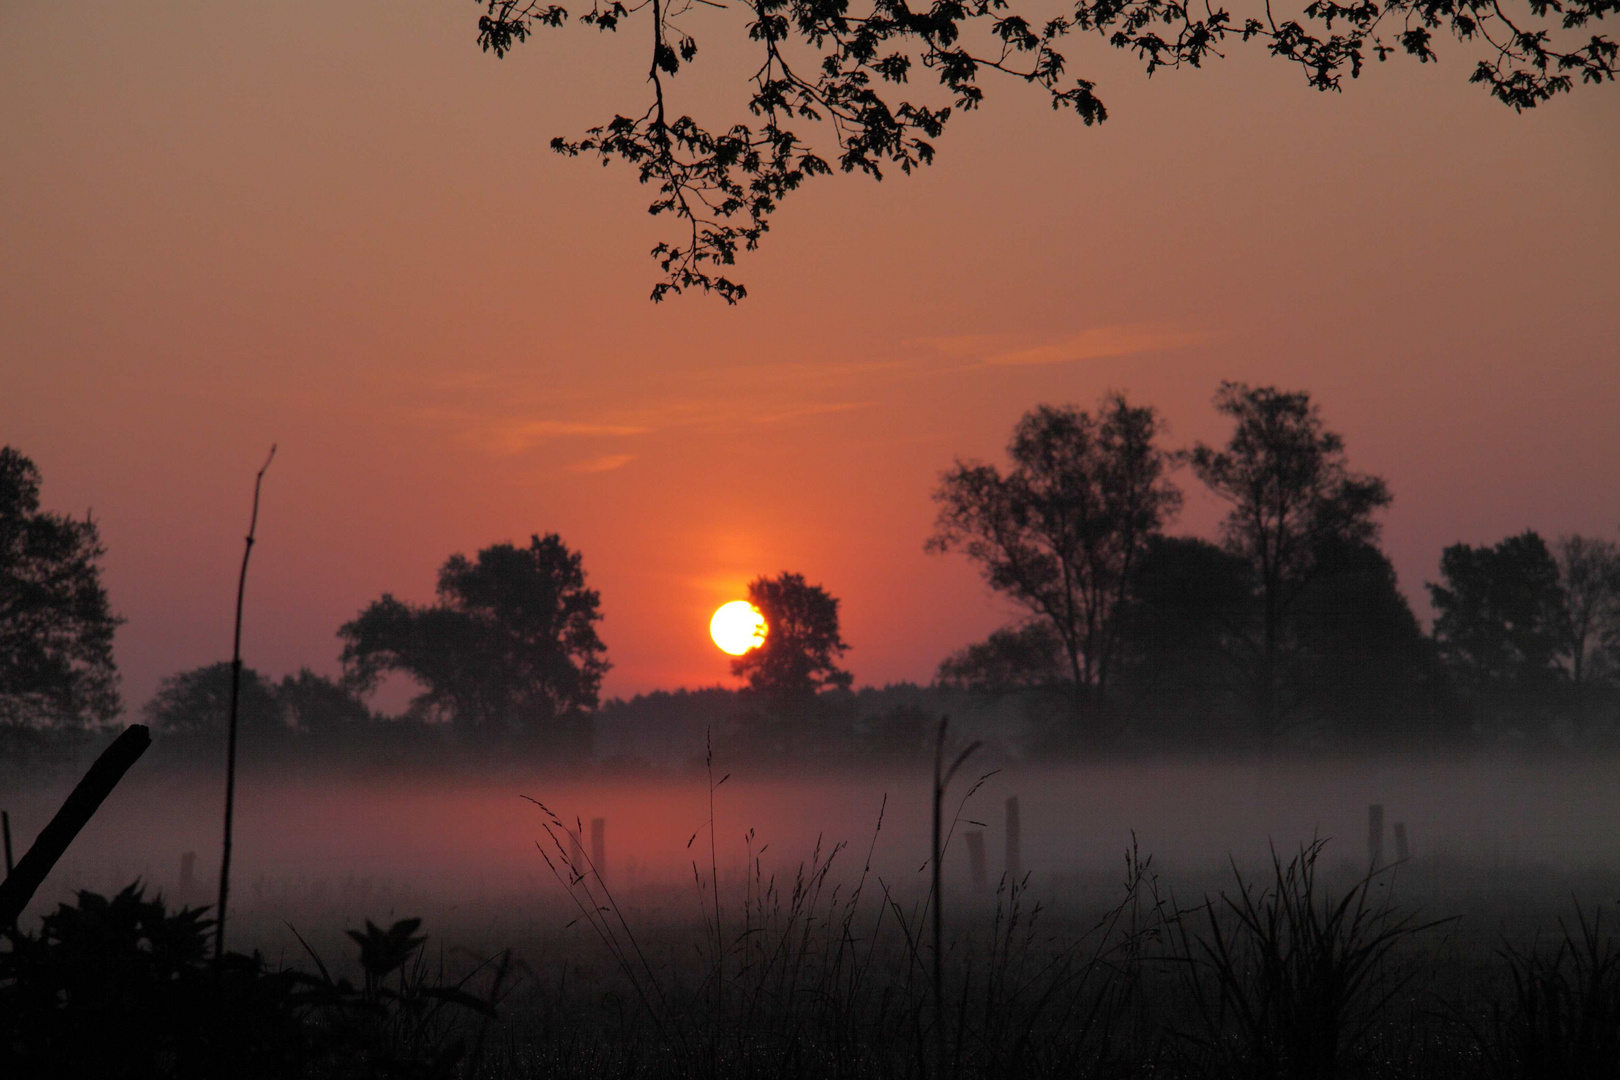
(802, 643)
(56, 627)
(510, 646)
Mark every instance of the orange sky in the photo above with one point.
(338, 227)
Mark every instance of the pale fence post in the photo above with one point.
(1015, 841)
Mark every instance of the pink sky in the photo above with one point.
(339, 228)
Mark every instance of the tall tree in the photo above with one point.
(1589, 572)
(1187, 628)
(799, 655)
(1061, 531)
(821, 67)
(1292, 495)
(56, 625)
(511, 644)
(1365, 670)
(1500, 619)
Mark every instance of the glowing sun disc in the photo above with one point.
(737, 627)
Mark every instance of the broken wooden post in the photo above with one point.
(1402, 851)
(52, 842)
(1375, 835)
(1015, 840)
(975, 845)
(599, 847)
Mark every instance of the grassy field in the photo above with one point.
(1300, 971)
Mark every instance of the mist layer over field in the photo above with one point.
(462, 851)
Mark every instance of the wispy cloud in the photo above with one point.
(1094, 343)
(795, 412)
(958, 344)
(1100, 342)
(516, 436)
(800, 375)
(602, 464)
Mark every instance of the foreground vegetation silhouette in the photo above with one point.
(121, 987)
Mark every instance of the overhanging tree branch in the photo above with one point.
(726, 183)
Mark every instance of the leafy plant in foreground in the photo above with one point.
(120, 987)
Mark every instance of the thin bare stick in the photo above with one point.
(230, 738)
(939, 903)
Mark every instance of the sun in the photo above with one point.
(737, 627)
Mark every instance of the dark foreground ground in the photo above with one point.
(1300, 969)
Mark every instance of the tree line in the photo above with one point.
(1288, 627)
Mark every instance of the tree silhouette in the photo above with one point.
(1187, 627)
(510, 646)
(1292, 495)
(802, 644)
(313, 703)
(1061, 531)
(56, 626)
(1012, 658)
(198, 702)
(847, 74)
(1500, 614)
(1589, 571)
(1364, 667)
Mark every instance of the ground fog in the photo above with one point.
(322, 849)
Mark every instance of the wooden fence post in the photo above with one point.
(1375, 835)
(1015, 840)
(1402, 850)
